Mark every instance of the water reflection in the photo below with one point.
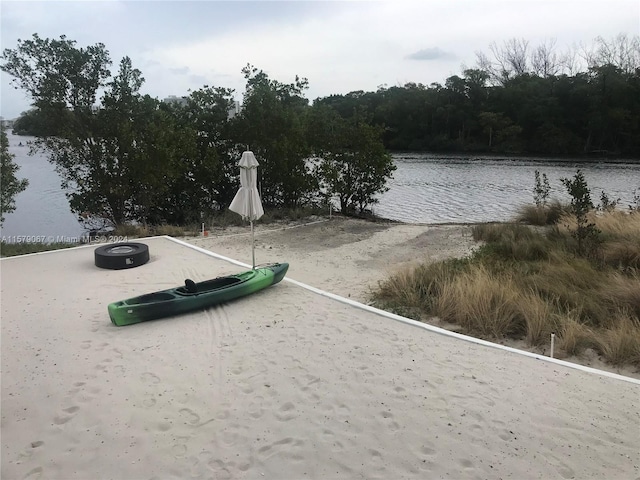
(42, 210)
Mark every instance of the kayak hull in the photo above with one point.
(194, 296)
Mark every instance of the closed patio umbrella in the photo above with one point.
(247, 201)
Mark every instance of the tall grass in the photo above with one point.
(541, 214)
(575, 337)
(620, 343)
(526, 283)
(619, 240)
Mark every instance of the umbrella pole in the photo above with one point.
(253, 247)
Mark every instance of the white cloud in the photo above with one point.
(433, 53)
(338, 46)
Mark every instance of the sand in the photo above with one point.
(344, 256)
(286, 383)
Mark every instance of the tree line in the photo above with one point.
(519, 99)
(128, 157)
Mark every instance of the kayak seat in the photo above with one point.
(190, 286)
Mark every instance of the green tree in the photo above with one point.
(352, 162)
(272, 125)
(135, 160)
(33, 122)
(541, 189)
(10, 186)
(115, 159)
(207, 173)
(58, 76)
(585, 233)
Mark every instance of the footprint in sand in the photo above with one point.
(164, 426)
(245, 387)
(428, 449)
(255, 409)
(150, 378)
(62, 419)
(179, 450)
(392, 424)
(191, 417)
(286, 412)
(35, 473)
(507, 435)
(272, 448)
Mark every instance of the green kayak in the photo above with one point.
(195, 296)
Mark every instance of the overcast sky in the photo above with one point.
(339, 46)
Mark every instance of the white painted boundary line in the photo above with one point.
(424, 326)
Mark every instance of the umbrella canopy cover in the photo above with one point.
(247, 201)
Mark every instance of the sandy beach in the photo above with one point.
(287, 383)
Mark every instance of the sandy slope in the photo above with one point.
(343, 255)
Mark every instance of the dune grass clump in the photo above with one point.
(412, 292)
(511, 242)
(483, 304)
(525, 283)
(618, 243)
(547, 214)
(575, 337)
(620, 343)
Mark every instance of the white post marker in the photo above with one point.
(553, 339)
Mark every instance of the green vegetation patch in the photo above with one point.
(525, 283)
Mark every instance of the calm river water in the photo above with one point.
(425, 189)
(441, 189)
